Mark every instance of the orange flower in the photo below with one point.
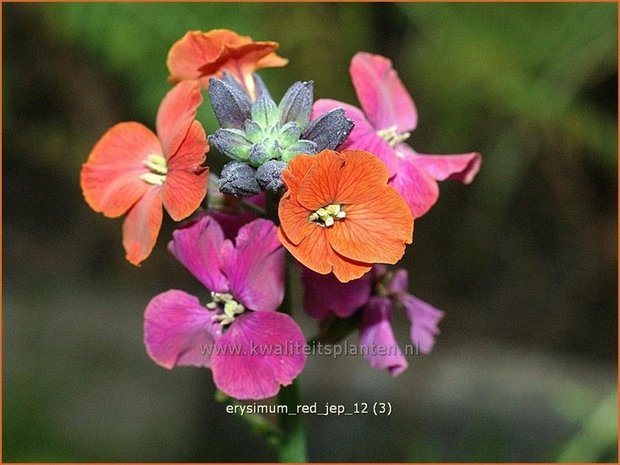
(202, 55)
(340, 215)
(133, 171)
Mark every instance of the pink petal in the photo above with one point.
(381, 93)
(324, 294)
(255, 266)
(110, 179)
(178, 330)
(259, 352)
(186, 182)
(198, 247)
(142, 225)
(377, 337)
(176, 113)
(417, 176)
(417, 188)
(460, 167)
(424, 319)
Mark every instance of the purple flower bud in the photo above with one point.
(231, 142)
(296, 105)
(269, 175)
(230, 104)
(238, 179)
(329, 130)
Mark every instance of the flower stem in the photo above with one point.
(292, 445)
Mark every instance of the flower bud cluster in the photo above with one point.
(261, 137)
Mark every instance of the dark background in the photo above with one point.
(523, 261)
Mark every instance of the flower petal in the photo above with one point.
(296, 172)
(191, 52)
(375, 231)
(186, 182)
(202, 55)
(255, 266)
(176, 113)
(198, 247)
(324, 294)
(419, 190)
(399, 282)
(363, 177)
(141, 226)
(348, 177)
(178, 330)
(110, 179)
(243, 59)
(315, 252)
(294, 219)
(416, 178)
(460, 167)
(424, 320)
(381, 93)
(312, 251)
(377, 338)
(258, 353)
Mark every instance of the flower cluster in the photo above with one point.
(334, 186)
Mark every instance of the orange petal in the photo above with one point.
(176, 113)
(315, 253)
(346, 269)
(183, 192)
(252, 56)
(201, 55)
(294, 219)
(271, 61)
(141, 226)
(191, 153)
(242, 60)
(110, 178)
(192, 51)
(320, 186)
(361, 178)
(375, 231)
(228, 37)
(186, 181)
(295, 172)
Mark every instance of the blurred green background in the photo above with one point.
(523, 261)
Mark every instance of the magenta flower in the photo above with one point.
(375, 295)
(388, 118)
(251, 348)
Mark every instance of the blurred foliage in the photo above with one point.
(526, 255)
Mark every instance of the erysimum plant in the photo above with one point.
(322, 186)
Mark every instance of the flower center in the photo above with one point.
(391, 136)
(326, 216)
(158, 170)
(228, 306)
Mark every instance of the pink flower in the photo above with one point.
(133, 171)
(250, 347)
(375, 295)
(388, 117)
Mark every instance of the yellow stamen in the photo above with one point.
(326, 216)
(232, 308)
(158, 170)
(391, 136)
